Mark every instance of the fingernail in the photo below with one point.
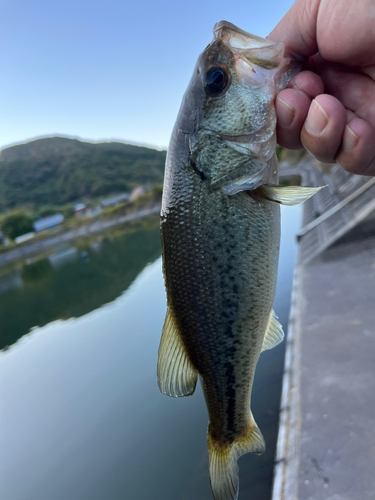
(317, 119)
(285, 113)
(349, 140)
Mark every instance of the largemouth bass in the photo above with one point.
(220, 226)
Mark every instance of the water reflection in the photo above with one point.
(63, 256)
(10, 281)
(72, 282)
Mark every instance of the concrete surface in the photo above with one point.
(336, 302)
(326, 443)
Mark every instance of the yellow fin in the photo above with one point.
(274, 333)
(176, 375)
(287, 195)
(223, 458)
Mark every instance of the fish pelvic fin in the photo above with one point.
(177, 376)
(287, 195)
(274, 333)
(222, 459)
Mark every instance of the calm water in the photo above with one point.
(81, 415)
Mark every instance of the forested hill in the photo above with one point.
(58, 170)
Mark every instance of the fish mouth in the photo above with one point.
(254, 49)
(238, 38)
(260, 53)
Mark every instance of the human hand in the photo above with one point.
(329, 109)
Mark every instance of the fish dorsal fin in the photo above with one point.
(287, 195)
(274, 333)
(176, 375)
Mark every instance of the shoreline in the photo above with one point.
(10, 255)
(286, 469)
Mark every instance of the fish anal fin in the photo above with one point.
(287, 195)
(223, 458)
(177, 376)
(274, 333)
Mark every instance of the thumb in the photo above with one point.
(297, 29)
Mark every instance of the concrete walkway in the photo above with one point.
(326, 448)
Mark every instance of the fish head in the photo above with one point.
(238, 78)
(229, 107)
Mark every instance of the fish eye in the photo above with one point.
(216, 81)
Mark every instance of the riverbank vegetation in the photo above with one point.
(52, 175)
(55, 171)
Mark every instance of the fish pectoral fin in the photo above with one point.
(223, 458)
(287, 195)
(177, 376)
(274, 333)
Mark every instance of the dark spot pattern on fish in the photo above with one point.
(231, 401)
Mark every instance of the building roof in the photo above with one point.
(79, 206)
(114, 199)
(24, 237)
(48, 222)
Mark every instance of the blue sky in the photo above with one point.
(103, 70)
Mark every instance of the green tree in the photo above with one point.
(16, 224)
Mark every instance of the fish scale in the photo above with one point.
(222, 284)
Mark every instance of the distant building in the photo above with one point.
(83, 211)
(24, 237)
(94, 211)
(48, 222)
(114, 200)
(79, 209)
(137, 192)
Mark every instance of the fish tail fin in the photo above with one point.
(223, 458)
